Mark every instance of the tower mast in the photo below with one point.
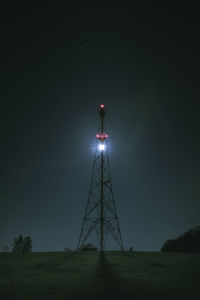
(102, 113)
(100, 214)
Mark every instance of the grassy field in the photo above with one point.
(90, 275)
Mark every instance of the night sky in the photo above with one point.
(57, 64)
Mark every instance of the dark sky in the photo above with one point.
(57, 64)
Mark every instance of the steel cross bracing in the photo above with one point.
(100, 214)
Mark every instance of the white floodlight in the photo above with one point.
(102, 147)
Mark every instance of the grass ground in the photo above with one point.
(90, 275)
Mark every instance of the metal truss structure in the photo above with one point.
(100, 213)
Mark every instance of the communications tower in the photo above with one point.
(100, 214)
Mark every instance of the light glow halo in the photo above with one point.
(101, 147)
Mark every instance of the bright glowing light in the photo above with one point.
(102, 147)
(102, 106)
(98, 136)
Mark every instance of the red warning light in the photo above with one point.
(101, 136)
(102, 105)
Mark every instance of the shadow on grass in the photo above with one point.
(106, 284)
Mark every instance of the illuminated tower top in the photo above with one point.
(102, 110)
(102, 136)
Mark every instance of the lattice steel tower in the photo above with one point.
(100, 213)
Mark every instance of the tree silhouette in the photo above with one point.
(22, 245)
(188, 242)
(27, 244)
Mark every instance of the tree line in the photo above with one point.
(20, 245)
(187, 242)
